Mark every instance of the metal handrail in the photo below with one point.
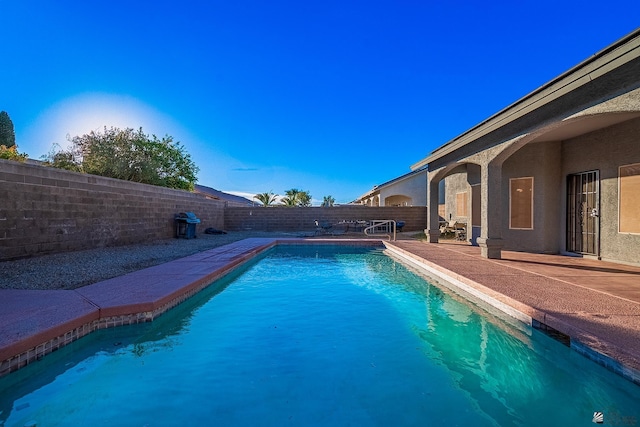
(380, 223)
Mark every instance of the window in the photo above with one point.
(629, 199)
(461, 204)
(521, 203)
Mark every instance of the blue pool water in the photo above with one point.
(318, 336)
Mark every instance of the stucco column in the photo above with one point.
(433, 225)
(490, 240)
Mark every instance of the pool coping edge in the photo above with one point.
(622, 362)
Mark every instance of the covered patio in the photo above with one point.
(556, 172)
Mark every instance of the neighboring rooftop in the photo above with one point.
(212, 193)
(391, 181)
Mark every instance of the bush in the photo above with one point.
(61, 159)
(11, 153)
(129, 155)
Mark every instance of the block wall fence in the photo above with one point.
(278, 218)
(45, 210)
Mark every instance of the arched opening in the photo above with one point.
(398, 200)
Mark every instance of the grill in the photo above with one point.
(186, 224)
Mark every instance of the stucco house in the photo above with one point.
(409, 189)
(557, 171)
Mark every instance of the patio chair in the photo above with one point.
(460, 230)
(323, 227)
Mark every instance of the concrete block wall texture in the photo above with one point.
(46, 210)
(280, 218)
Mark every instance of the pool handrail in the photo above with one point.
(377, 223)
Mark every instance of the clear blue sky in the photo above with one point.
(332, 97)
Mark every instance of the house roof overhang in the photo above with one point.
(617, 68)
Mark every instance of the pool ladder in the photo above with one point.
(386, 227)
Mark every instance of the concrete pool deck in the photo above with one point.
(595, 304)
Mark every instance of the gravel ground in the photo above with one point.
(72, 270)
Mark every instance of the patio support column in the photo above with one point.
(433, 219)
(490, 240)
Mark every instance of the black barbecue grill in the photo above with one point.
(186, 224)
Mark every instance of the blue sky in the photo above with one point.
(331, 97)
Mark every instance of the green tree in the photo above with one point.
(328, 201)
(7, 133)
(11, 153)
(295, 197)
(62, 159)
(304, 199)
(288, 201)
(130, 155)
(266, 199)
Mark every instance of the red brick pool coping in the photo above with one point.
(595, 304)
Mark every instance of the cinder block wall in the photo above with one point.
(46, 210)
(277, 218)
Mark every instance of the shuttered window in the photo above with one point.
(629, 198)
(461, 204)
(521, 203)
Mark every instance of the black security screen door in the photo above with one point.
(583, 213)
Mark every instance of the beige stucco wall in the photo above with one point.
(414, 187)
(457, 183)
(605, 150)
(549, 163)
(542, 162)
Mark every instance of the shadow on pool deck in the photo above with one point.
(595, 303)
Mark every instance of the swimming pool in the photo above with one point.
(318, 335)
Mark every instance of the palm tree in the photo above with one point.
(296, 197)
(292, 194)
(288, 201)
(266, 199)
(328, 201)
(304, 199)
